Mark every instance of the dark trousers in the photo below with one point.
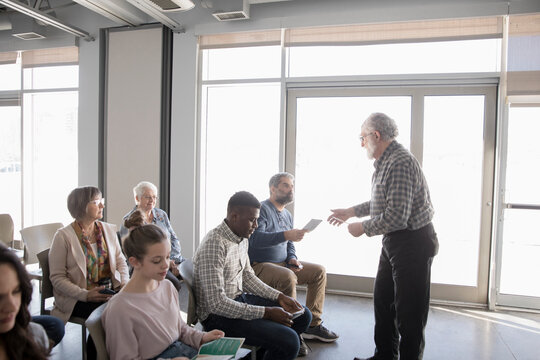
(279, 341)
(83, 310)
(401, 294)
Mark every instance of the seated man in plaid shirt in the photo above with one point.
(231, 298)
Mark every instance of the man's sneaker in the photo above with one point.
(320, 333)
(304, 348)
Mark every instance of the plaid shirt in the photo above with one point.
(399, 194)
(222, 272)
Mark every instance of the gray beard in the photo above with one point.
(284, 200)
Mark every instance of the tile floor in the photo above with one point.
(452, 333)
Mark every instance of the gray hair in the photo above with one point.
(79, 198)
(274, 180)
(385, 125)
(138, 190)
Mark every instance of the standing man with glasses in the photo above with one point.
(273, 256)
(400, 209)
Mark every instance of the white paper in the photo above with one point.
(312, 224)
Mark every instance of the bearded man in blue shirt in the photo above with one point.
(273, 256)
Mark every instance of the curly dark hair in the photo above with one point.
(18, 342)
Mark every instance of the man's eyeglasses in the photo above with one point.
(98, 201)
(363, 138)
(147, 197)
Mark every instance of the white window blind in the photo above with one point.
(50, 57)
(8, 57)
(416, 31)
(523, 55)
(259, 38)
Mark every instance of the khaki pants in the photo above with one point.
(283, 279)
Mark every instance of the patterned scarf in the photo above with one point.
(97, 266)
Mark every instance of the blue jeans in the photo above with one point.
(279, 341)
(54, 327)
(177, 349)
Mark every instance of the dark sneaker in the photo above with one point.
(320, 333)
(304, 348)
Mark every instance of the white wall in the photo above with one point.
(264, 16)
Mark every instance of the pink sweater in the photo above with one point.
(142, 326)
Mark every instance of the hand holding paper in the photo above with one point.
(294, 234)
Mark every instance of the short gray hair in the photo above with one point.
(138, 190)
(384, 124)
(274, 180)
(79, 198)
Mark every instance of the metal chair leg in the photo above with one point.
(84, 354)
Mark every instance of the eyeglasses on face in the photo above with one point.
(97, 202)
(363, 138)
(148, 197)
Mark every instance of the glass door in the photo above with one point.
(519, 267)
(450, 130)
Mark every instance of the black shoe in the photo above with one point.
(369, 358)
(304, 348)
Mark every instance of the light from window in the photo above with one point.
(51, 77)
(412, 58)
(241, 149)
(242, 63)
(10, 163)
(50, 155)
(10, 77)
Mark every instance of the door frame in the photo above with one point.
(488, 87)
(496, 298)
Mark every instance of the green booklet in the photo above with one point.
(222, 349)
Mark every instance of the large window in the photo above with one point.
(38, 136)
(436, 79)
(411, 58)
(242, 144)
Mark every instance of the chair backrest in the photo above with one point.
(93, 323)
(46, 284)
(6, 229)
(38, 238)
(186, 271)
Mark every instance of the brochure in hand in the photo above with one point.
(312, 224)
(222, 349)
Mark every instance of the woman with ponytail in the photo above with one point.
(143, 320)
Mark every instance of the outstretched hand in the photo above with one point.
(339, 216)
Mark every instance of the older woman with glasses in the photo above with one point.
(145, 194)
(86, 262)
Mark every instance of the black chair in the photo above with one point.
(47, 292)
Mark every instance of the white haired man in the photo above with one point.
(400, 209)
